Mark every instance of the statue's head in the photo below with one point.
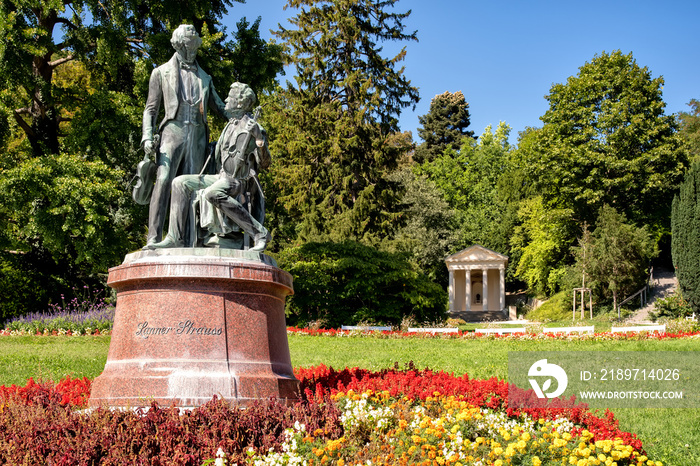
(186, 42)
(240, 100)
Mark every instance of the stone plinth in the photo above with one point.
(191, 323)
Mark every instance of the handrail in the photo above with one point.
(633, 296)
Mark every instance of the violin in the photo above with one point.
(145, 175)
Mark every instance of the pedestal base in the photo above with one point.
(194, 323)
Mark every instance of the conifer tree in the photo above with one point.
(333, 132)
(685, 242)
(444, 126)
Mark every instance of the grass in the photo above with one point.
(51, 358)
(664, 432)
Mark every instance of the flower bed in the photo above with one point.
(85, 317)
(466, 335)
(352, 416)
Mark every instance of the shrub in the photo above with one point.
(556, 308)
(673, 306)
(345, 283)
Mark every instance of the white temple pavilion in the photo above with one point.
(477, 283)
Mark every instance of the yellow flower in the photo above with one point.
(536, 460)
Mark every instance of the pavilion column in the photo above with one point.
(468, 290)
(452, 290)
(485, 290)
(503, 288)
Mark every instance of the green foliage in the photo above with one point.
(619, 255)
(60, 226)
(556, 308)
(606, 140)
(345, 283)
(26, 283)
(476, 183)
(673, 306)
(543, 241)
(443, 127)
(108, 38)
(64, 203)
(685, 241)
(431, 227)
(690, 128)
(75, 77)
(332, 132)
(246, 58)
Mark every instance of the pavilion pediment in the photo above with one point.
(476, 254)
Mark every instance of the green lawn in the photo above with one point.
(51, 358)
(664, 432)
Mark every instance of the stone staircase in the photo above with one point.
(479, 316)
(663, 283)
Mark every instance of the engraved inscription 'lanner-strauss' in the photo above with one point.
(186, 327)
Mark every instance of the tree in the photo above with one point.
(606, 140)
(332, 133)
(690, 128)
(105, 37)
(619, 255)
(542, 241)
(444, 126)
(247, 58)
(75, 77)
(347, 283)
(685, 240)
(430, 230)
(476, 183)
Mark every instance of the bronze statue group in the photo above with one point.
(225, 209)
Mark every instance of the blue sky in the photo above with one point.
(504, 56)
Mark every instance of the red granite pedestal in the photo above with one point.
(192, 323)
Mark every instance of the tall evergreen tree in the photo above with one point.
(333, 131)
(444, 126)
(685, 240)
